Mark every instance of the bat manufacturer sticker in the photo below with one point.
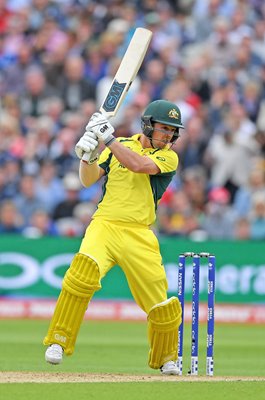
(114, 96)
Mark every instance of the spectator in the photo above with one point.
(15, 75)
(40, 225)
(176, 217)
(62, 153)
(194, 185)
(244, 195)
(75, 88)
(257, 217)
(242, 126)
(36, 92)
(10, 219)
(197, 77)
(205, 13)
(54, 108)
(95, 65)
(242, 229)
(14, 34)
(3, 195)
(219, 46)
(171, 213)
(11, 139)
(40, 10)
(12, 176)
(5, 15)
(28, 200)
(72, 187)
(10, 103)
(49, 187)
(54, 64)
(228, 162)
(193, 143)
(83, 214)
(258, 39)
(219, 220)
(251, 99)
(155, 78)
(37, 144)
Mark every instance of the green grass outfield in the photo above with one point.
(110, 362)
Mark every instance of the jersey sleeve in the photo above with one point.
(104, 159)
(166, 160)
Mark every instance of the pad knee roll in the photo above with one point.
(163, 323)
(79, 284)
(82, 277)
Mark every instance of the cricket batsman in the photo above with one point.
(137, 172)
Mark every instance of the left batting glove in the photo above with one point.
(102, 128)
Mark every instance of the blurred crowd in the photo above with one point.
(57, 59)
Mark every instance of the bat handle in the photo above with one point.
(86, 156)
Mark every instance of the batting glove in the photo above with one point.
(87, 144)
(102, 128)
(91, 157)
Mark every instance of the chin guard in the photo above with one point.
(147, 126)
(175, 136)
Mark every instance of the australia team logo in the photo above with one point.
(173, 114)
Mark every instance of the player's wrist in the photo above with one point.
(109, 140)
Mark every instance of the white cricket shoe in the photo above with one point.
(169, 368)
(54, 354)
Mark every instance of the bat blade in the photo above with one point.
(127, 71)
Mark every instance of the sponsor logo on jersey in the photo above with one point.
(121, 166)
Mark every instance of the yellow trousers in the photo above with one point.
(136, 250)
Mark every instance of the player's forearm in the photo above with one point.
(88, 173)
(133, 161)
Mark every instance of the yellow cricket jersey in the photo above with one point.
(131, 197)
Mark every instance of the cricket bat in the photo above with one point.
(127, 71)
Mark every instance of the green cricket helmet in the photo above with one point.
(164, 112)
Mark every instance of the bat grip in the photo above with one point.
(86, 156)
